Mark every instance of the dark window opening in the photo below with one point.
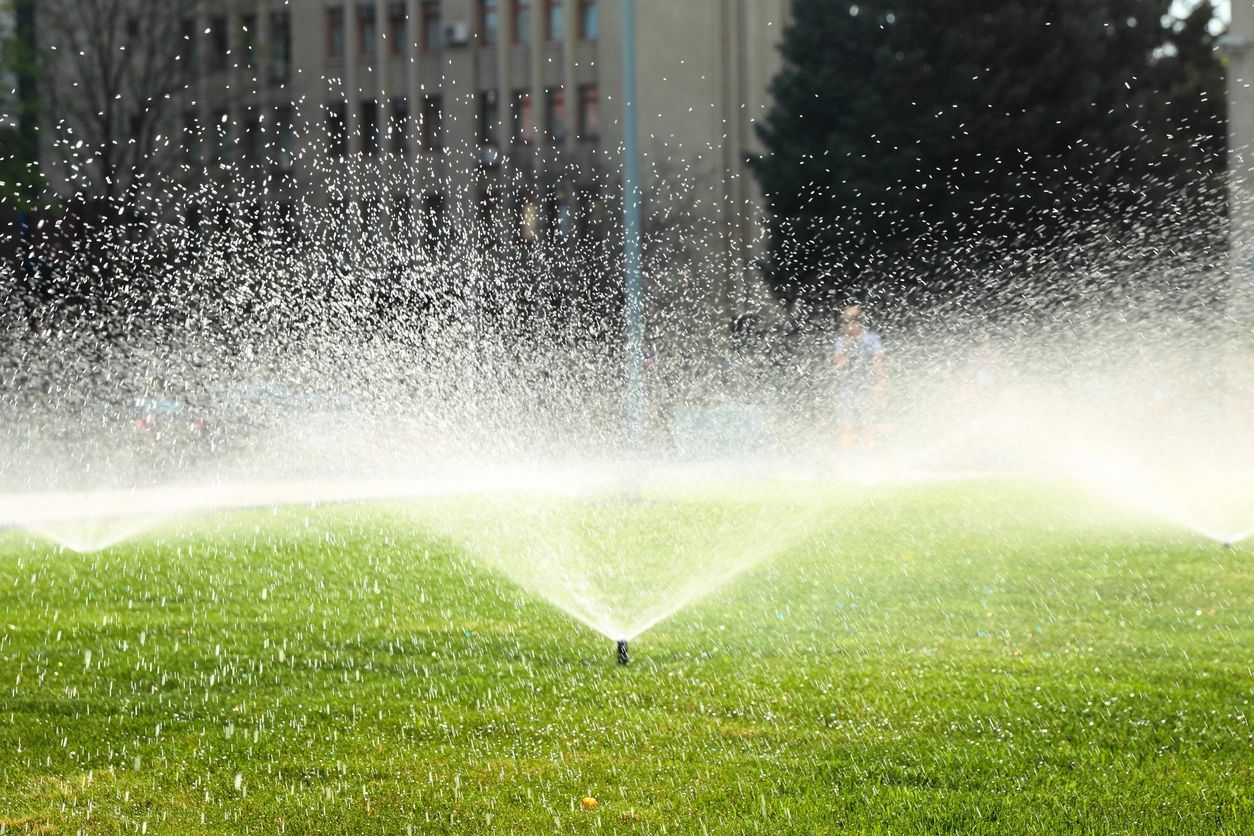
(398, 127)
(335, 33)
(589, 113)
(432, 222)
(554, 21)
(191, 137)
(523, 128)
(285, 145)
(219, 44)
(369, 126)
(367, 31)
(222, 129)
(398, 28)
(487, 22)
(189, 52)
(432, 127)
(588, 22)
(252, 139)
(248, 41)
(489, 118)
(337, 129)
(432, 37)
(280, 45)
(520, 22)
(555, 115)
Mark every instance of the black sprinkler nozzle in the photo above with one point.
(623, 658)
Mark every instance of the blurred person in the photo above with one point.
(861, 392)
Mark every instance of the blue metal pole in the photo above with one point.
(632, 260)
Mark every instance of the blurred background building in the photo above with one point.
(505, 112)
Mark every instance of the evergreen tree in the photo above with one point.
(902, 127)
(20, 181)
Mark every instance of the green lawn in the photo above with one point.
(959, 658)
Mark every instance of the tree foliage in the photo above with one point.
(19, 172)
(902, 121)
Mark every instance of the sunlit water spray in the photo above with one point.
(237, 364)
(625, 555)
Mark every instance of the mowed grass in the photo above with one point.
(959, 658)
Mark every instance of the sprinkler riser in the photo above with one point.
(623, 658)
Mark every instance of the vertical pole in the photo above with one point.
(631, 237)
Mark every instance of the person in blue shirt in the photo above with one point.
(858, 355)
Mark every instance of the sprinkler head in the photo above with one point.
(1226, 545)
(622, 652)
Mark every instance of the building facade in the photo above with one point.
(1238, 47)
(454, 103)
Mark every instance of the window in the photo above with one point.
(369, 126)
(521, 21)
(285, 147)
(431, 34)
(287, 219)
(432, 218)
(587, 209)
(398, 28)
(252, 139)
(191, 137)
(522, 122)
(554, 22)
(489, 117)
(432, 127)
(589, 114)
(399, 126)
(189, 53)
(367, 32)
(401, 217)
(335, 33)
(487, 22)
(489, 207)
(369, 213)
(222, 130)
(248, 23)
(337, 129)
(192, 218)
(219, 45)
(555, 115)
(280, 45)
(588, 19)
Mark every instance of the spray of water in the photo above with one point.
(198, 348)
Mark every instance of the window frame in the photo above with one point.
(588, 11)
(398, 28)
(489, 10)
(520, 21)
(367, 46)
(431, 14)
(554, 12)
(336, 33)
(584, 134)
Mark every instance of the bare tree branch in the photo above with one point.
(112, 65)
